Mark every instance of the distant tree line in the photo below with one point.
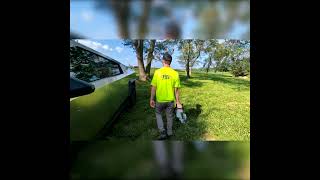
(227, 56)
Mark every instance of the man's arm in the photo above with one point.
(177, 93)
(153, 89)
(153, 92)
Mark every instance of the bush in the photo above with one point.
(240, 68)
(223, 66)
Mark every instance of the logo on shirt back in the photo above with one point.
(165, 76)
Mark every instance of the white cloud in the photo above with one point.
(91, 44)
(86, 16)
(119, 49)
(96, 45)
(106, 47)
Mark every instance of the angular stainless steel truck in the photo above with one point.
(100, 88)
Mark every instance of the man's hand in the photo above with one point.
(153, 93)
(179, 105)
(177, 94)
(152, 103)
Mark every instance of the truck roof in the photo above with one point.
(73, 42)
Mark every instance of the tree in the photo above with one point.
(154, 50)
(240, 68)
(142, 26)
(123, 12)
(209, 48)
(150, 47)
(138, 46)
(164, 46)
(241, 63)
(231, 55)
(221, 57)
(190, 51)
(150, 56)
(199, 45)
(239, 56)
(216, 18)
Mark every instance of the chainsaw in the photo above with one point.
(180, 115)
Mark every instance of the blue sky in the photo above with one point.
(86, 20)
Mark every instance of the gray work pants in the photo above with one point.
(168, 107)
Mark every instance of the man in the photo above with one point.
(165, 84)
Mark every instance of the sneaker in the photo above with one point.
(163, 135)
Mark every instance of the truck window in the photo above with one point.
(90, 67)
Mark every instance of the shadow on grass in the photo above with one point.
(188, 82)
(225, 79)
(195, 128)
(192, 83)
(236, 83)
(193, 113)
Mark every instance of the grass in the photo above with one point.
(217, 106)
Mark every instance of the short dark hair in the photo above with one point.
(167, 57)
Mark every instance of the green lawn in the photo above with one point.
(217, 106)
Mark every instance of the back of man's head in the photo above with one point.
(167, 58)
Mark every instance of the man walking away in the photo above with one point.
(165, 86)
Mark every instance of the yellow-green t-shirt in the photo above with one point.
(165, 79)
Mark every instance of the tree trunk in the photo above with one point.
(188, 69)
(188, 62)
(209, 64)
(121, 10)
(143, 27)
(139, 52)
(150, 57)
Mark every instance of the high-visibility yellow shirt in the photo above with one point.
(165, 80)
